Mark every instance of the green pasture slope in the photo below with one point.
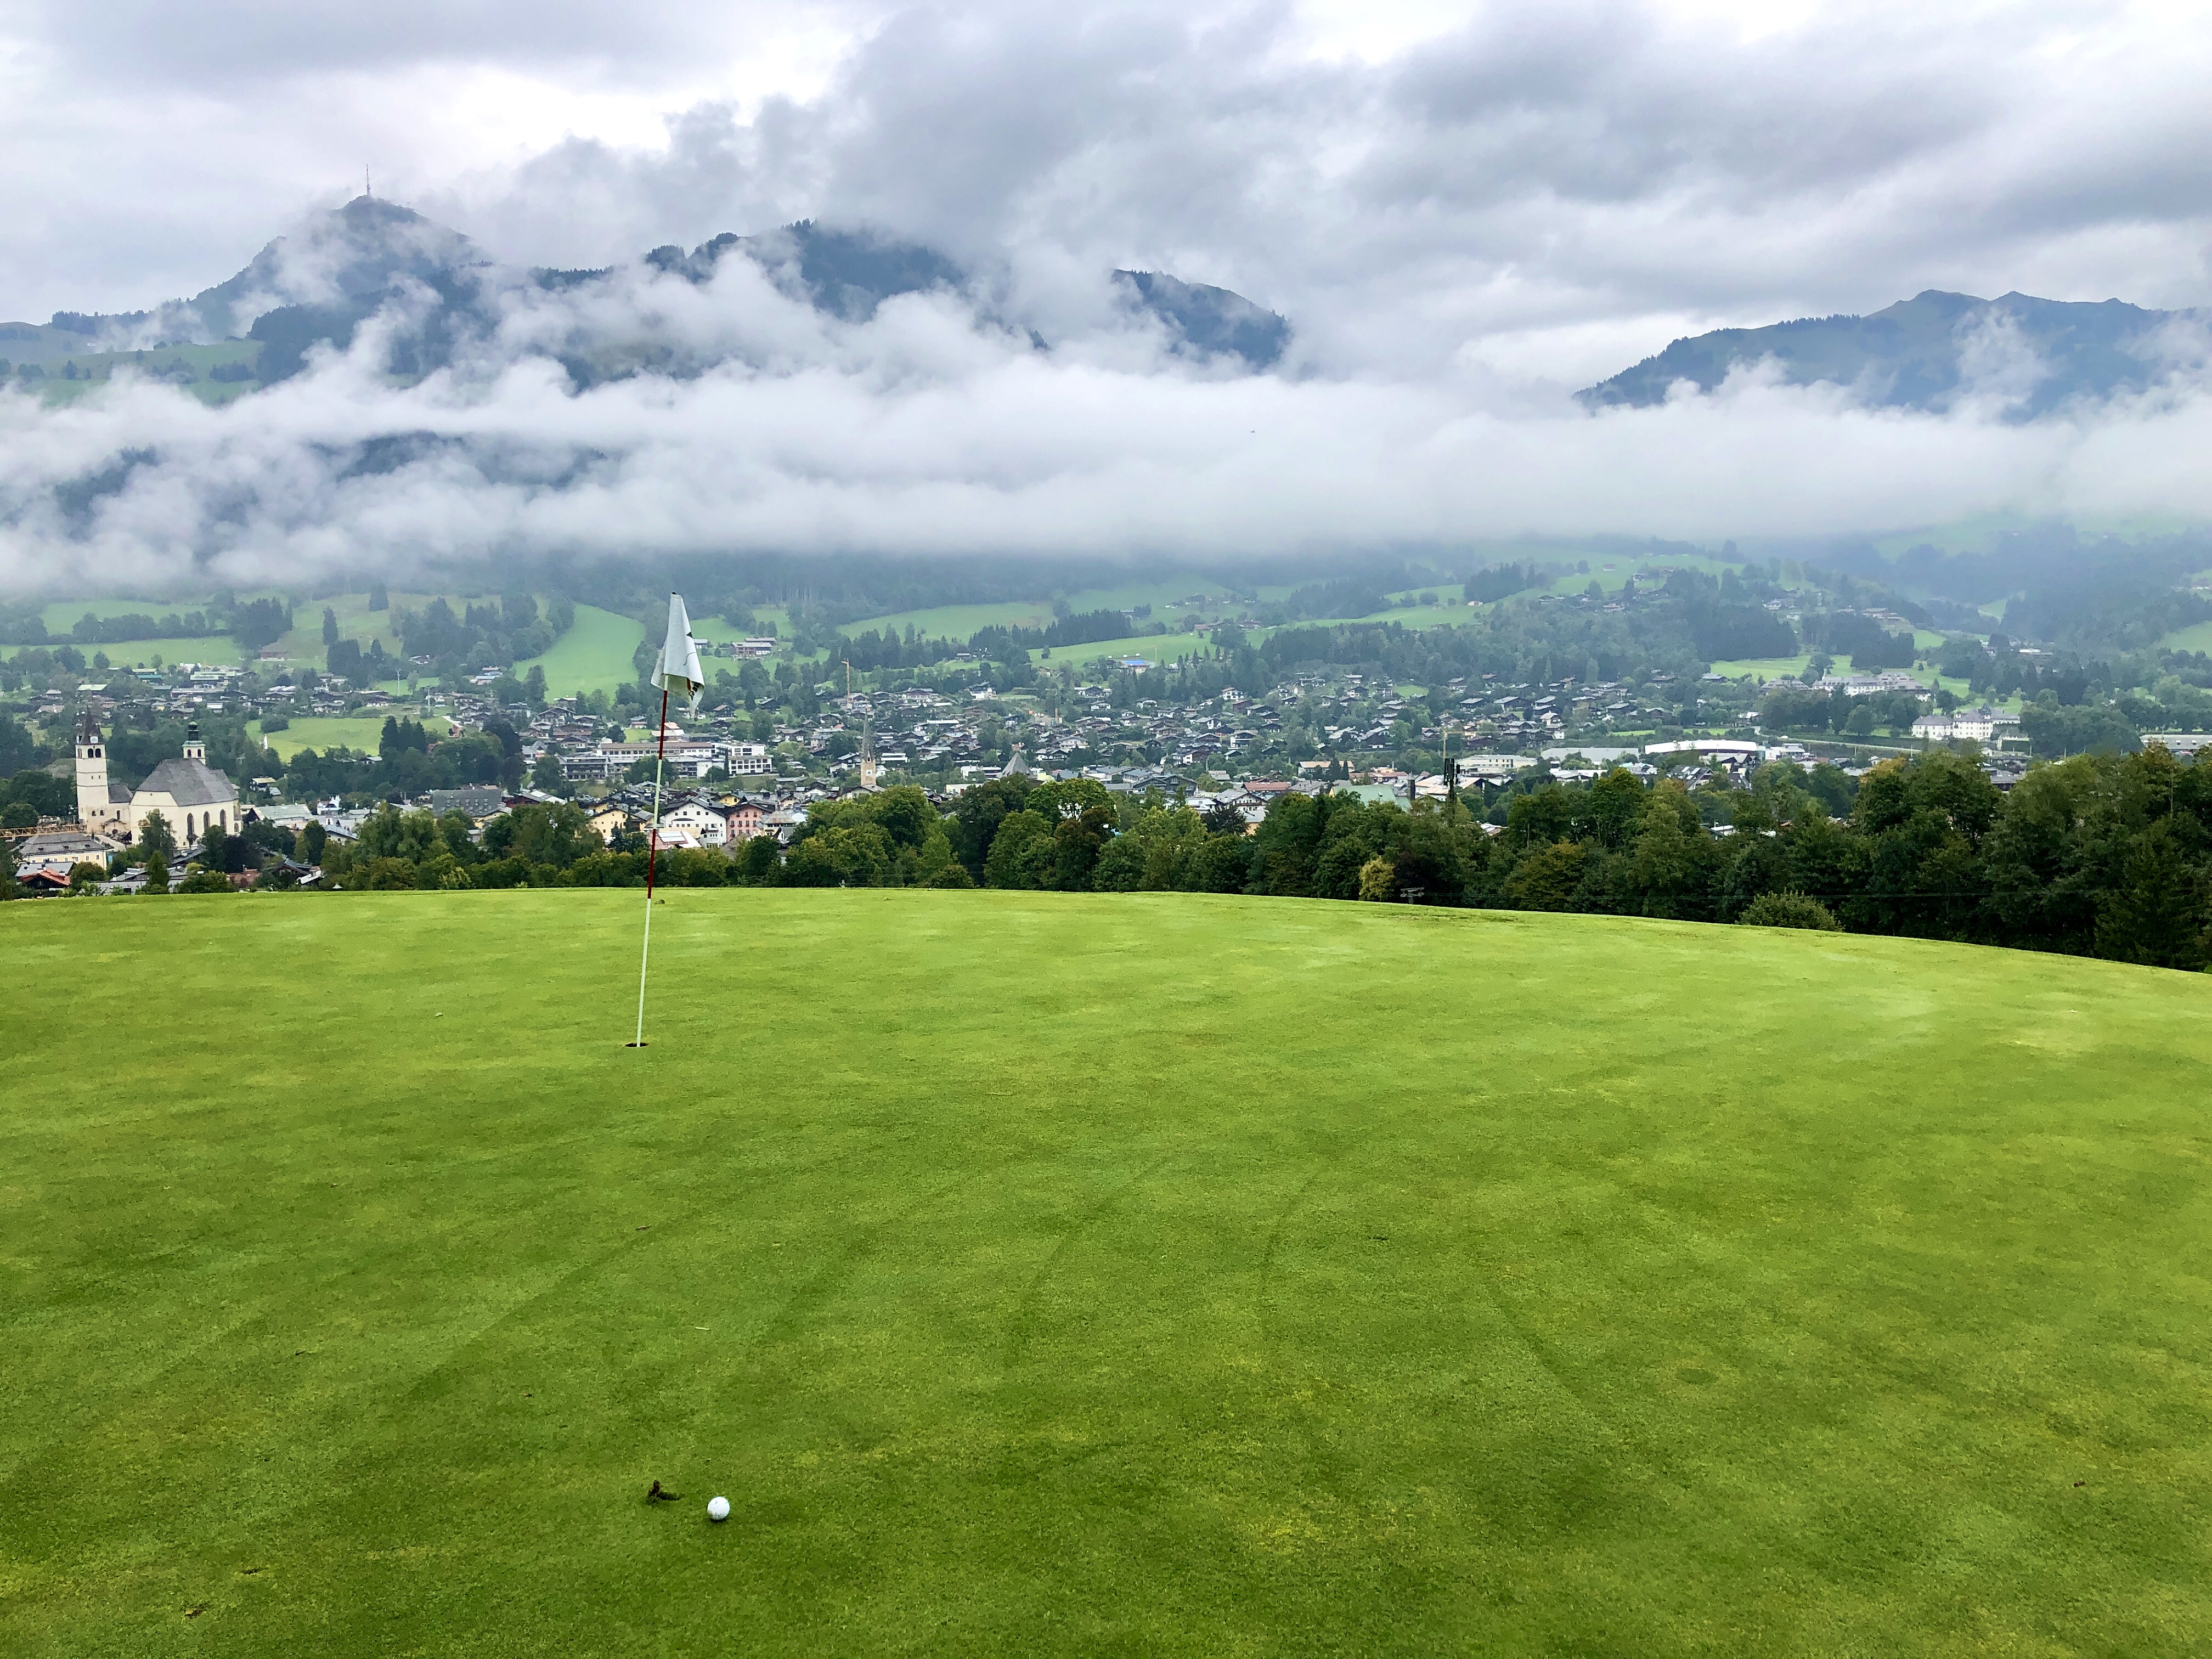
(594, 655)
(1130, 1275)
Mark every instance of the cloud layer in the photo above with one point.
(1463, 229)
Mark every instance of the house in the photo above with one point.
(2180, 744)
(56, 853)
(745, 820)
(474, 804)
(607, 822)
(702, 824)
(1965, 725)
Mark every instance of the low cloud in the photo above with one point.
(925, 432)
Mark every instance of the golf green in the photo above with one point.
(1140, 1274)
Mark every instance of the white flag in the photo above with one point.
(678, 671)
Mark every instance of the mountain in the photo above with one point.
(1207, 321)
(1937, 350)
(848, 274)
(348, 264)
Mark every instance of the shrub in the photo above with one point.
(1789, 910)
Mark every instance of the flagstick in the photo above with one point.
(651, 857)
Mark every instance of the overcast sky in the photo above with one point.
(1466, 210)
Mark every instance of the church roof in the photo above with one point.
(117, 794)
(189, 783)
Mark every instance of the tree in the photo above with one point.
(1438, 856)
(157, 848)
(312, 839)
(379, 598)
(330, 627)
(1672, 868)
(1217, 864)
(1221, 818)
(261, 621)
(848, 855)
(1787, 909)
(760, 863)
(221, 853)
(1378, 881)
(1021, 852)
(1548, 878)
(557, 835)
(2156, 914)
(977, 816)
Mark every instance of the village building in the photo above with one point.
(191, 795)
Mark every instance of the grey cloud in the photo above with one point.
(228, 43)
(1460, 235)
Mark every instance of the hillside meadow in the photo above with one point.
(1046, 1272)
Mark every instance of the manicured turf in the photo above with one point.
(1039, 1274)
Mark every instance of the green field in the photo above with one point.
(961, 621)
(100, 367)
(594, 655)
(218, 650)
(2196, 638)
(957, 621)
(360, 733)
(1153, 647)
(1040, 1273)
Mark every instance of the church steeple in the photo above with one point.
(194, 749)
(867, 754)
(93, 809)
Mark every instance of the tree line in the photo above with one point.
(2098, 855)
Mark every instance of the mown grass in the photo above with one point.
(1041, 1273)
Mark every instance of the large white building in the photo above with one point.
(188, 793)
(1967, 725)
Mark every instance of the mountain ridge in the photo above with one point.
(1935, 352)
(348, 263)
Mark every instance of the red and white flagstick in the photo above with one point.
(678, 665)
(651, 857)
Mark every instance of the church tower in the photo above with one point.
(92, 810)
(867, 754)
(194, 749)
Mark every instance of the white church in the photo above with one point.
(188, 793)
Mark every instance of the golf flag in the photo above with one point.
(678, 669)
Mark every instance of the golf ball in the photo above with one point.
(718, 1508)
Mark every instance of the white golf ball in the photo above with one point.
(718, 1508)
